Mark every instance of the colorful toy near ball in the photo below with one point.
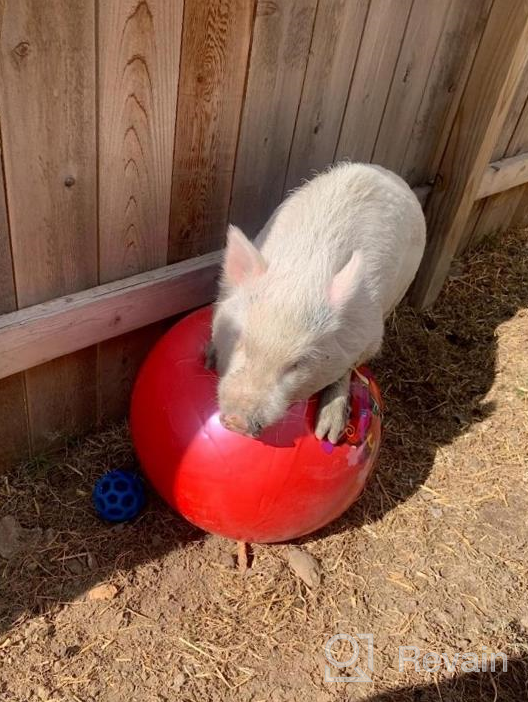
(275, 488)
(118, 496)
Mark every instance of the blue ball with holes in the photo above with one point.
(118, 496)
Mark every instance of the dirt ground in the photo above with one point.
(433, 555)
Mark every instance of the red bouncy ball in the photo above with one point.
(275, 488)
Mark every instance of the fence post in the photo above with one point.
(491, 84)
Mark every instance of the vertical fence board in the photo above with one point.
(336, 38)
(483, 111)
(47, 97)
(14, 439)
(519, 217)
(279, 54)
(498, 211)
(7, 283)
(139, 54)
(14, 434)
(424, 29)
(378, 53)
(452, 62)
(475, 229)
(119, 362)
(215, 52)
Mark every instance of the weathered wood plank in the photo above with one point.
(43, 332)
(215, 53)
(14, 434)
(519, 217)
(139, 55)
(127, 353)
(424, 30)
(279, 55)
(47, 103)
(7, 283)
(503, 175)
(14, 429)
(453, 58)
(52, 218)
(499, 210)
(491, 86)
(336, 38)
(372, 79)
(483, 218)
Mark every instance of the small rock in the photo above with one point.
(456, 270)
(75, 566)
(10, 533)
(436, 512)
(106, 591)
(178, 682)
(304, 566)
(227, 559)
(14, 538)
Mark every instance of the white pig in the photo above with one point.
(305, 303)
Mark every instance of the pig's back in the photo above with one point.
(313, 234)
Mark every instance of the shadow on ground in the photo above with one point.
(510, 685)
(435, 371)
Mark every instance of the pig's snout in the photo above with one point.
(248, 427)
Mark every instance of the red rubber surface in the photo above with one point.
(276, 488)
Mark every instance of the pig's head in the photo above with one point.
(277, 337)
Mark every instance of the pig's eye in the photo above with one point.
(296, 365)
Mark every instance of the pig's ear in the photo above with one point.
(242, 260)
(346, 283)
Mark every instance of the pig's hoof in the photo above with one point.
(210, 356)
(331, 419)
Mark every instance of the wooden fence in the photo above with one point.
(132, 131)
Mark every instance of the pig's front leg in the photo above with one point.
(333, 410)
(210, 356)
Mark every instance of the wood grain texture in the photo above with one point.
(518, 203)
(453, 58)
(519, 218)
(499, 211)
(215, 53)
(503, 175)
(7, 282)
(117, 375)
(14, 430)
(14, 434)
(372, 79)
(48, 128)
(43, 332)
(47, 103)
(139, 53)
(412, 72)
(491, 86)
(478, 225)
(279, 55)
(61, 399)
(139, 56)
(337, 34)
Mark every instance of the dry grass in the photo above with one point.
(434, 555)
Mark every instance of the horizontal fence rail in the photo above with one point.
(43, 332)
